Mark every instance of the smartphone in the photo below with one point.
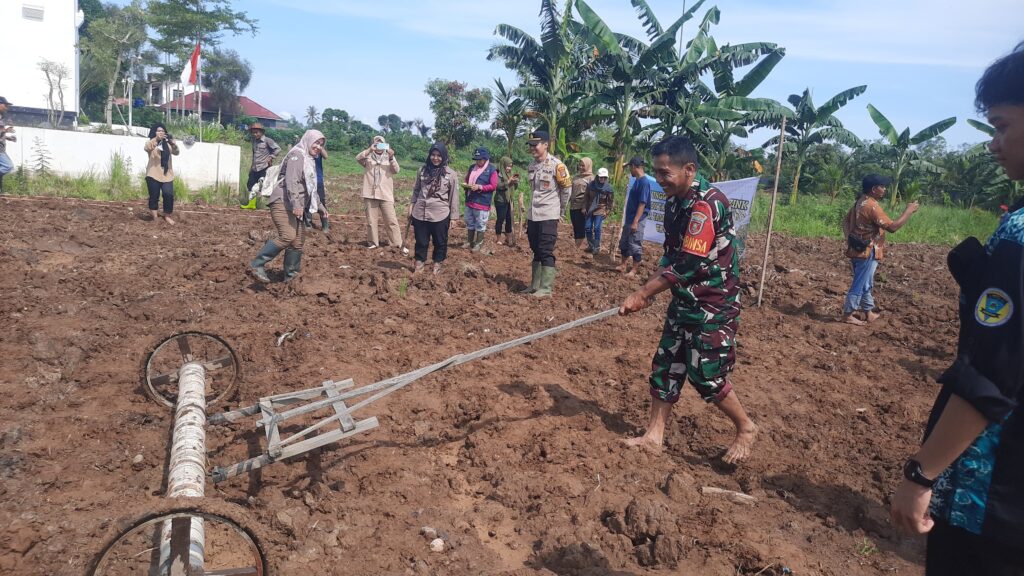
(466, 186)
(381, 146)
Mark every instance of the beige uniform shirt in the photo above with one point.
(264, 151)
(291, 184)
(378, 175)
(153, 168)
(551, 185)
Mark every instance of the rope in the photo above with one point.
(396, 383)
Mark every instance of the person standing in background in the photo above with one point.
(264, 152)
(578, 201)
(160, 171)
(508, 181)
(6, 134)
(379, 169)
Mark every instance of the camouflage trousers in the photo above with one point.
(704, 354)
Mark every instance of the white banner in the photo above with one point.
(741, 199)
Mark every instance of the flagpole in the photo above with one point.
(199, 78)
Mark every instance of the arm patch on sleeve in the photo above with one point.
(700, 233)
(562, 176)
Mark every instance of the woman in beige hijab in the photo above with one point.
(295, 189)
(379, 168)
(578, 198)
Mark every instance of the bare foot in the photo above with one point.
(631, 273)
(851, 319)
(872, 316)
(739, 450)
(168, 219)
(643, 443)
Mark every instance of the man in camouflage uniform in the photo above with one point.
(701, 268)
(551, 184)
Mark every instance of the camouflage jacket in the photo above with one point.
(701, 260)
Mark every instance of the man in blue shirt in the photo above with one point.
(965, 485)
(638, 206)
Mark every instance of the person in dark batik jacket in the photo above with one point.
(701, 268)
(965, 485)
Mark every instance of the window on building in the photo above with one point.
(32, 12)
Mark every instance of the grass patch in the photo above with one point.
(817, 217)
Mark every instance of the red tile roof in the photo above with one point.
(249, 106)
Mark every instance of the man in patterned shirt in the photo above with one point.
(965, 485)
(701, 268)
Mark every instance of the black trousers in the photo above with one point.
(504, 218)
(954, 551)
(254, 176)
(579, 224)
(156, 189)
(426, 232)
(542, 236)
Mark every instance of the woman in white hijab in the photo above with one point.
(379, 169)
(295, 189)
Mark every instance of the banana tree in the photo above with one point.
(807, 126)
(897, 147)
(554, 71)
(999, 183)
(509, 114)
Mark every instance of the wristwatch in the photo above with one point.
(912, 471)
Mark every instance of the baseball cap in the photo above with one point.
(602, 172)
(4, 101)
(635, 161)
(538, 136)
(481, 154)
(872, 180)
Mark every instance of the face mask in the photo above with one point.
(381, 146)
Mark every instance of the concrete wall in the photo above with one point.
(79, 153)
(24, 42)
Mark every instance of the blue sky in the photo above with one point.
(919, 58)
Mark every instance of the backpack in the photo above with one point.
(265, 186)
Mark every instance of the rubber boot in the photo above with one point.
(534, 280)
(547, 281)
(478, 244)
(266, 254)
(470, 239)
(292, 263)
(325, 224)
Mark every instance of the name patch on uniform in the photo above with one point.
(700, 233)
(994, 308)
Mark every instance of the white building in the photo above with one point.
(35, 31)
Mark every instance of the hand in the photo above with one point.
(909, 511)
(451, 224)
(391, 152)
(635, 302)
(912, 207)
(8, 129)
(632, 227)
(475, 187)
(297, 212)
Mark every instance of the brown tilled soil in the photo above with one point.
(515, 460)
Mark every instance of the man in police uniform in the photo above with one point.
(701, 268)
(965, 485)
(551, 184)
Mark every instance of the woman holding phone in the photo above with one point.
(160, 172)
(379, 169)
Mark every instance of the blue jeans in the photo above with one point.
(859, 296)
(593, 228)
(5, 164)
(477, 219)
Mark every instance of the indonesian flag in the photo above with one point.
(191, 72)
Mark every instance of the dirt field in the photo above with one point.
(515, 460)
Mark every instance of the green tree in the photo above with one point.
(226, 75)
(457, 110)
(312, 116)
(509, 114)
(113, 41)
(807, 126)
(390, 123)
(180, 24)
(897, 148)
(556, 73)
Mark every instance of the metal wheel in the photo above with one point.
(230, 548)
(223, 370)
